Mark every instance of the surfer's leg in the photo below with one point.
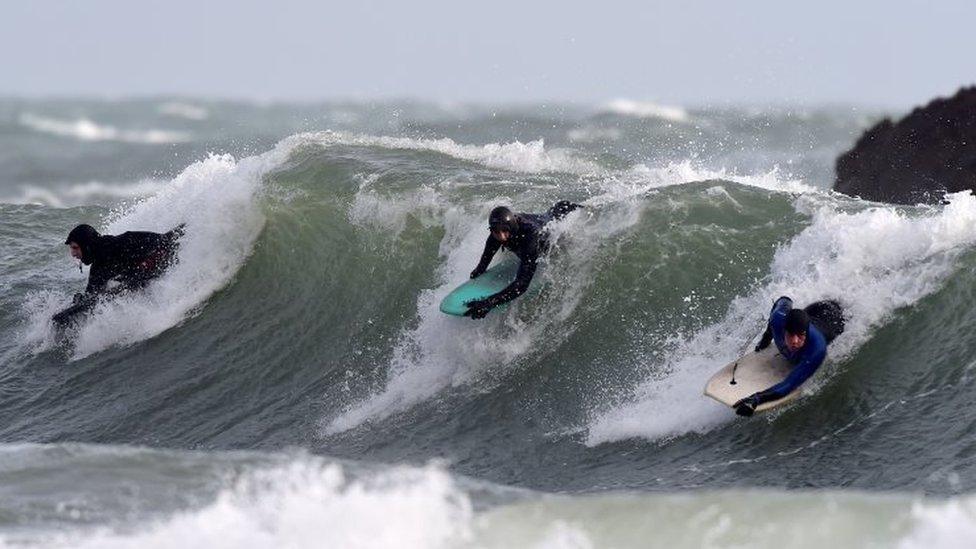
(561, 208)
(828, 316)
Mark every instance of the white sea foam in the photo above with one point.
(370, 209)
(640, 179)
(873, 261)
(948, 525)
(183, 110)
(646, 109)
(84, 129)
(310, 504)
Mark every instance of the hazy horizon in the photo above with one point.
(869, 54)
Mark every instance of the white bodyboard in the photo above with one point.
(754, 372)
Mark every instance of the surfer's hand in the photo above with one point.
(477, 272)
(747, 406)
(478, 308)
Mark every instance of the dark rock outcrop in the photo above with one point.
(928, 153)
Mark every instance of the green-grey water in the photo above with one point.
(290, 382)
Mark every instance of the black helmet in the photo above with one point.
(504, 219)
(84, 236)
(797, 321)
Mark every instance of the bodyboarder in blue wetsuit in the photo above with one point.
(802, 336)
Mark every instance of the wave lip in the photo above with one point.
(646, 109)
(531, 157)
(84, 129)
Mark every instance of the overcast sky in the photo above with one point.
(891, 54)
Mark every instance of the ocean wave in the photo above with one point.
(646, 109)
(82, 194)
(640, 179)
(443, 352)
(84, 129)
(218, 200)
(874, 261)
(310, 503)
(307, 501)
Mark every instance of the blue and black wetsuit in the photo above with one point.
(826, 323)
(805, 360)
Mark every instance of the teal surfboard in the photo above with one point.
(491, 282)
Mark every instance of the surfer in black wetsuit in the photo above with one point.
(524, 235)
(130, 259)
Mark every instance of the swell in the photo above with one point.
(306, 315)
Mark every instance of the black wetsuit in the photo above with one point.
(528, 243)
(131, 259)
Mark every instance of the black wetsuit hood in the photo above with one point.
(504, 219)
(86, 237)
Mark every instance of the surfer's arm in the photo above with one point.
(518, 286)
(529, 257)
(777, 315)
(98, 279)
(766, 338)
(491, 247)
(780, 307)
(802, 372)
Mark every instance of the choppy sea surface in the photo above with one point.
(290, 382)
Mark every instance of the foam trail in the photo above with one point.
(84, 129)
(874, 261)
